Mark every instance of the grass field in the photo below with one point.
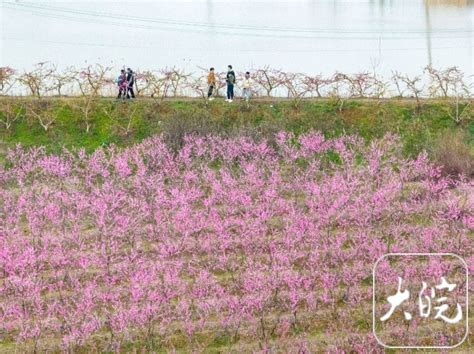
(418, 126)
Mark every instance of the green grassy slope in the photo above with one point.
(124, 123)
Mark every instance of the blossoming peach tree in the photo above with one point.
(260, 245)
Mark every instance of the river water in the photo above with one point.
(313, 36)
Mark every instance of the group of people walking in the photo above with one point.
(125, 83)
(126, 80)
(230, 82)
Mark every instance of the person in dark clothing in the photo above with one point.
(122, 84)
(230, 80)
(130, 83)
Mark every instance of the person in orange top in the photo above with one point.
(211, 81)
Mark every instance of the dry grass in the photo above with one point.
(454, 152)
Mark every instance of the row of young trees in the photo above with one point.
(46, 112)
(87, 109)
(45, 79)
(90, 83)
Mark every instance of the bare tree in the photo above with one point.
(337, 85)
(9, 113)
(123, 115)
(378, 86)
(176, 77)
(156, 85)
(361, 85)
(38, 80)
(93, 78)
(460, 110)
(86, 106)
(444, 82)
(142, 84)
(314, 84)
(269, 79)
(61, 78)
(294, 83)
(44, 112)
(398, 83)
(351, 83)
(198, 86)
(7, 79)
(459, 95)
(413, 86)
(340, 86)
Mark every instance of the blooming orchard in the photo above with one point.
(253, 244)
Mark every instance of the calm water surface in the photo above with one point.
(313, 36)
